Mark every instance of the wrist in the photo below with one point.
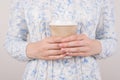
(30, 50)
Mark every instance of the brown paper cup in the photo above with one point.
(63, 29)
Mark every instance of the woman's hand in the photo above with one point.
(46, 49)
(80, 45)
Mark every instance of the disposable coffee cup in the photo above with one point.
(63, 29)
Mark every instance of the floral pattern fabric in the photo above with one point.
(95, 18)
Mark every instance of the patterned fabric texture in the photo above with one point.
(93, 17)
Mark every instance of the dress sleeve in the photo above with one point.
(16, 38)
(105, 32)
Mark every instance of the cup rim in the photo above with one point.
(60, 23)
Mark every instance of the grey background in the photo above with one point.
(10, 69)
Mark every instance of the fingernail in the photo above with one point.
(62, 49)
(60, 45)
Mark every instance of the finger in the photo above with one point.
(54, 39)
(75, 49)
(73, 44)
(83, 54)
(56, 57)
(55, 52)
(53, 47)
(74, 37)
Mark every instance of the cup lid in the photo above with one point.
(57, 22)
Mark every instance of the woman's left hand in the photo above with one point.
(80, 45)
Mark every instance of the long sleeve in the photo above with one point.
(105, 32)
(16, 39)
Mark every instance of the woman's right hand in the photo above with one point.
(46, 49)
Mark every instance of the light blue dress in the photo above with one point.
(93, 17)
